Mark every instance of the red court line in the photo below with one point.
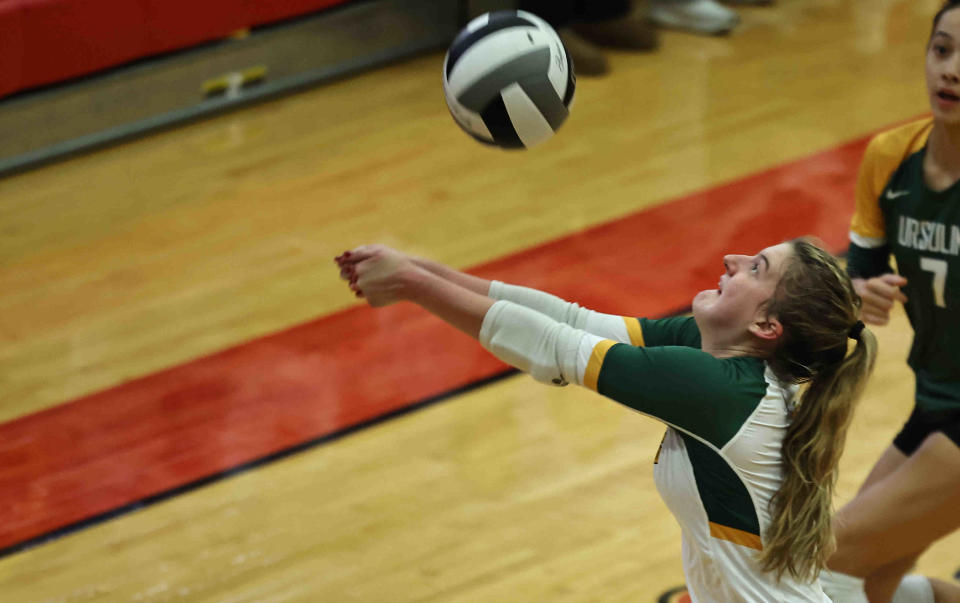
(159, 432)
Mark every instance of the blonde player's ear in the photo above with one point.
(768, 328)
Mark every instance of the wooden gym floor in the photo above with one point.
(194, 407)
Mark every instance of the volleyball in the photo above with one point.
(508, 80)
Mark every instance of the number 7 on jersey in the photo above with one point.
(939, 270)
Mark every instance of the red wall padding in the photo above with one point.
(46, 41)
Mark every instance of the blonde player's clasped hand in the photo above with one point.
(373, 272)
(879, 294)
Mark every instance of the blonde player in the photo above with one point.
(747, 465)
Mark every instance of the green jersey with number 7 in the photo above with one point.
(898, 214)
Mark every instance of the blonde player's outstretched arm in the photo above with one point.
(526, 338)
(622, 329)
(609, 326)
(467, 281)
(678, 384)
(550, 351)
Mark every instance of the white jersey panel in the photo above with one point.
(717, 570)
(754, 452)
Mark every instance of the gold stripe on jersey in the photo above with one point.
(735, 536)
(883, 156)
(656, 459)
(592, 375)
(634, 331)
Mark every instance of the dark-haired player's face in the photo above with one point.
(943, 68)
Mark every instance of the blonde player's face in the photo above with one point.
(745, 286)
(943, 68)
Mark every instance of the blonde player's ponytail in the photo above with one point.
(817, 306)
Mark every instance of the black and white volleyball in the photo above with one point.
(508, 79)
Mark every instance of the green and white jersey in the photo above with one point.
(898, 214)
(720, 460)
(719, 464)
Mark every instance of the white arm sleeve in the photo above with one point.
(607, 326)
(535, 343)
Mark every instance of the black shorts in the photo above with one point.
(922, 423)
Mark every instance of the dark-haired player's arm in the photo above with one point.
(868, 257)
